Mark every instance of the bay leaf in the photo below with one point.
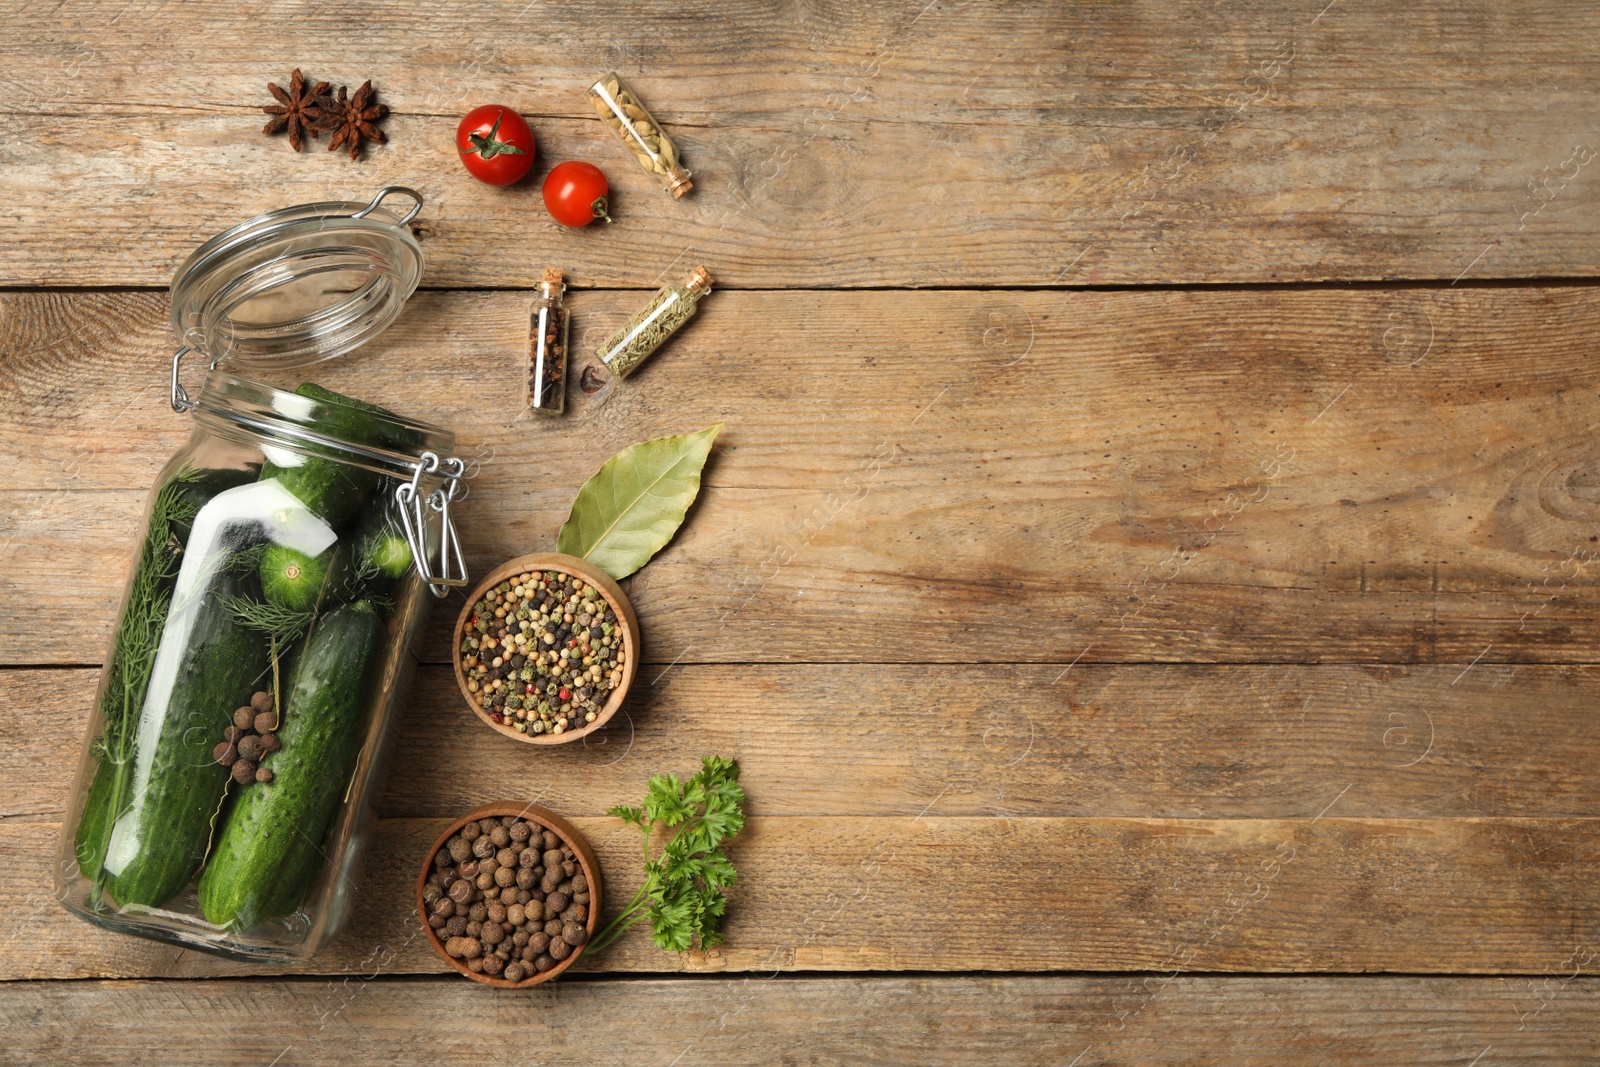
(633, 505)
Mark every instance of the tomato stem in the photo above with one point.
(600, 208)
(489, 145)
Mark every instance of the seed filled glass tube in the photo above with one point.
(547, 347)
(668, 310)
(620, 109)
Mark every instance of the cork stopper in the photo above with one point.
(550, 283)
(698, 282)
(678, 182)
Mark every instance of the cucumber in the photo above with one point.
(389, 426)
(333, 490)
(172, 513)
(382, 555)
(271, 846)
(296, 581)
(160, 840)
(94, 828)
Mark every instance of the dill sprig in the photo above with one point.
(149, 599)
(282, 624)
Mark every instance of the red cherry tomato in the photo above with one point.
(495, 144)
(575, 193)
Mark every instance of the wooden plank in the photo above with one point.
(1023, 1021)
(930, 892)
(993, 144)
(1126, 741)
(952, 476)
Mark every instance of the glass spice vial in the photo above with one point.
(638, 130)
(547, 346)
(668, 310)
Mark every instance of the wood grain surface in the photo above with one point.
(1401, 476)
(1087, 579)
(930, 144)
(1111, 1021)
(930, 892)
(1128, 740)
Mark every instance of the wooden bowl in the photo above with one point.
(569, 836)
(555, 561)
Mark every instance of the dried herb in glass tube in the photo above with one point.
(645, 332)
(620, 109)
(547, 347)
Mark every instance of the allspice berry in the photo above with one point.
(504, 876)
(459, 850)
(515, 972)
(250, 748)
(261, 702)
(501, 836)
(244, 771)
(263, 775)
(456, 947)
(461, 891)
(244, 718)
(493, 965)
(225, 754)
(266, 722)
(573, 934)
(560, 949)
(270, 743)
(543, 963)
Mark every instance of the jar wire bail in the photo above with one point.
(387, 191)
(180, 396)
(452, 570)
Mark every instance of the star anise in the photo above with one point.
(298, 111)
(353, 118)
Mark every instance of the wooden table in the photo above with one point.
(1145, 575)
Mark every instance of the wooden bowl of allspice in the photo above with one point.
(546, 648)
(509, 895)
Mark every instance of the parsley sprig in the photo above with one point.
(682, 895)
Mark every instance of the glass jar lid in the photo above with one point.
(299, 285)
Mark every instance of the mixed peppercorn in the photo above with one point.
(542, 652)
(507, 898)
(251, 738)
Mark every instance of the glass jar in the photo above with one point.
(548, 323)
(269, 625)
(620, 109)
(668, 310)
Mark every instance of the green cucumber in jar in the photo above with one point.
(172, 510)
(291, 579)
(382, 554)
(331, 489)
(160, 840)
(271, 847)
